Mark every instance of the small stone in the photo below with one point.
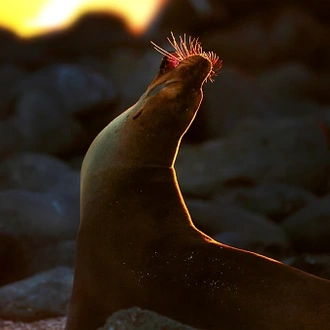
(137, 318)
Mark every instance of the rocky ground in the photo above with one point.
(254, 166)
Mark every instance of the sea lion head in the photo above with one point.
(149, 133)
(171, 101)
(175, 94)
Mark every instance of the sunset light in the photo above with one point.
(33, 17)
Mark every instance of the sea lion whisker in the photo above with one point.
(163, 51)
(183, 44)
(173, 42)
(185, 47)
(196, 46)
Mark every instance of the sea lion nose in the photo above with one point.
(207, 65)
(203, 67)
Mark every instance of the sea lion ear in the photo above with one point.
(168, 63)
(163, 65)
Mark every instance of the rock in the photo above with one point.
(294, 90)
(320, 87)
(38, 172)
(137, 318)
(41, 296)
(94, 34)
(38, 218)
(52, 256)
(21, 52)
(193, 171)
(80, 91)
(43, 127)
(31, 171)
(239, 8)
(318, 265)
(258, 41)
(76, 162)
(10, 140)
(286, 151)
(273, 200)
(295, 82)
(132, 72)
(320, 8)
(233, 96)
(240, 240)
(57, 323)
(68, 186)
(295, 34)
(244, 44)
(290, 80)
(292, 108)
(56, 102)
(73, 88)
(251, 231)
(9, 76)
(13, 257)
(182, 16)
(309, 228)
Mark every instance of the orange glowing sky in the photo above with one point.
(32, 17)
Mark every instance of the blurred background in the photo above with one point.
(253, 168)
(38, 17)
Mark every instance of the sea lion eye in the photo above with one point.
(169, 63)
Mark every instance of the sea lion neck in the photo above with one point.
(157, 121)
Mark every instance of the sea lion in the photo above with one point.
(137, 245)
